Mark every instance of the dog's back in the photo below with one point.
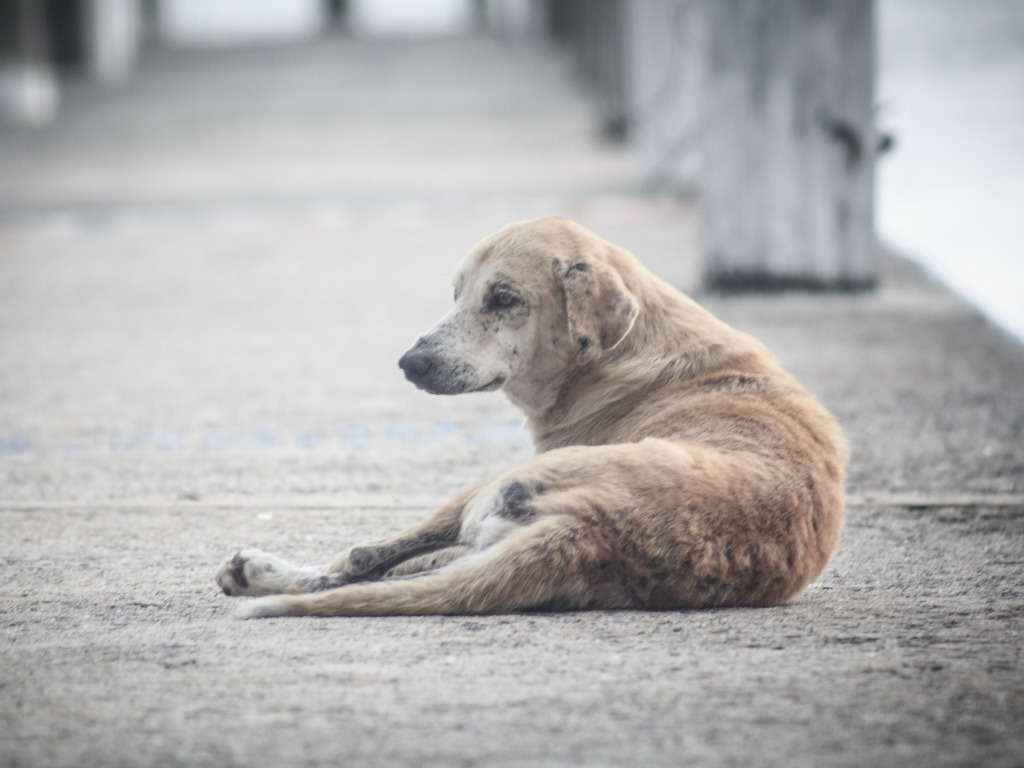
(757, 502)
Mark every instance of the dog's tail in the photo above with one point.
(541, 564)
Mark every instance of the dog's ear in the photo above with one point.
(601, 309)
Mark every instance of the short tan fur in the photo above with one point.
(678, 466)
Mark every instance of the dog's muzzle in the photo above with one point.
(432, 372)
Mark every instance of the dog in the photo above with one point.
(677, 465)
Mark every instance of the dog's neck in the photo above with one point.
(673, 340)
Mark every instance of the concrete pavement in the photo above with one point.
(205, 282)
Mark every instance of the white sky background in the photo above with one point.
(951, 195)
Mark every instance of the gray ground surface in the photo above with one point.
(205, 281)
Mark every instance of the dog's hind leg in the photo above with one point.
(429, 562)
(252, 572)
(550, 561)
(438, 531)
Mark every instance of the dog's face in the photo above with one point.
(531, 302)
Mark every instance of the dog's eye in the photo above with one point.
(502, 299)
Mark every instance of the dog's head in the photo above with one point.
(532, 301)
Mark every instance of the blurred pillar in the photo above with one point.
(594, 31)
(113, 36)
(514, 18)
(29, 94)
(666, 53)
(789, 144)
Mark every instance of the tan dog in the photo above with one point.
(677, 466)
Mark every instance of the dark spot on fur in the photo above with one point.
(708, 588)
(326, 581)
(584, 342)
(238, 571)
(361, 559)
(516, 501)
(579, 266)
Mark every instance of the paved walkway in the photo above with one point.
(206, 279)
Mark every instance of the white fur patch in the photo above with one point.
(261, 608)
(262, 574)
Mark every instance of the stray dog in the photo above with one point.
(678, 466)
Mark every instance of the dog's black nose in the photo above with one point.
(415, 364)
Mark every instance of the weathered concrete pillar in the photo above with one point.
(29, 94)
(666, 55)
(515, 18)
(112, 36)
(594, 32)
(789, 143)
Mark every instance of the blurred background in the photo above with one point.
(222, 221)
(946, 93)
(951, 195)
(938, 82)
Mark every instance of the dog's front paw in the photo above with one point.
(252, 572)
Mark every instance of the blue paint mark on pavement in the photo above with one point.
(167, 442)
(15, 445)
(354, 434)
(265, 439)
